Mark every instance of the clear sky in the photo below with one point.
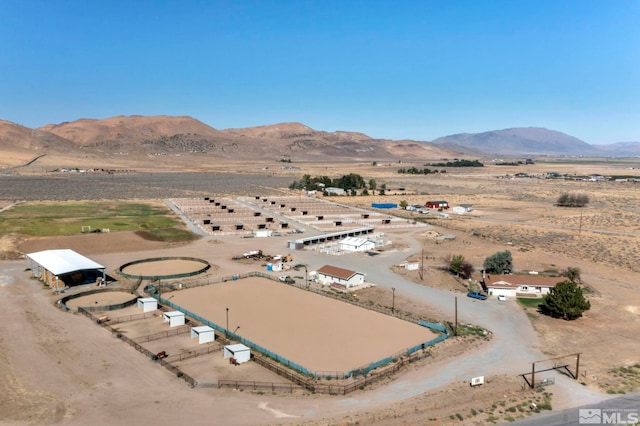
(391, 69)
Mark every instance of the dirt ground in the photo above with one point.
(49, 355)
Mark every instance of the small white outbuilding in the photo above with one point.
(204, 333)
(356, 244)
(411, 266)
(147, 304)
(174, 318)
(239, 352)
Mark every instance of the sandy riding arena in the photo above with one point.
(316, 332)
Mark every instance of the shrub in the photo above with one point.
(572, 200)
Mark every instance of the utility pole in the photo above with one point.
(455, 326)
(580, 227)
(393, 301)
(422, 266)
(226, 330)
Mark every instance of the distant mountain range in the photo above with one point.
(533, 141)
(123, 139)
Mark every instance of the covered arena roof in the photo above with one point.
(63, 261)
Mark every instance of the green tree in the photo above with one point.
(372, 185)
(453, 262)
(403, 204)
(565, 301)
(458, 266)
(499, 263)
(573, 274)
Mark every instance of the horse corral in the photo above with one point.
(297, 324)
(161, 268)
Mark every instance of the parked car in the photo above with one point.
(502, 297)
(286, 279)
(477, 295)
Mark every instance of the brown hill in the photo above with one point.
(177, 142)
(133, 128)
(293, 131)
(18, 137)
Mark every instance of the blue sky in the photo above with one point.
(390, 69)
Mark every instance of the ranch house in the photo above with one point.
(437, 204)
(328, 275)
(519, 285)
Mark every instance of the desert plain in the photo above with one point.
(60, 368)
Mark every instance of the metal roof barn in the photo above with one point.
(50, 265)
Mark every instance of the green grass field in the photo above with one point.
(68, 218)
(530, 302)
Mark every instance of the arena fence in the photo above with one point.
(360, 371)
(63, 301)
(166, 277)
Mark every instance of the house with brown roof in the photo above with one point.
(332, 275)
(520, 285)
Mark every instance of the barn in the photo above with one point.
(204, 333)
(440, 204)
(356, 244)
(65, 268)
(174, 318)
(239, 352)
(328, 275)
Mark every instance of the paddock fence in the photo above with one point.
(146, 352)
(176, 331)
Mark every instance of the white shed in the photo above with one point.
(174, 318)
(356, 244)
(239, 352)
(411, 266)
(147, 304)
(204, 333)
(262, 233)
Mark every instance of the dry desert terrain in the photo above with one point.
(62, 368)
